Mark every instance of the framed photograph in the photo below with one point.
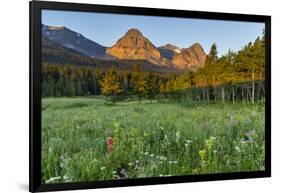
(126, 96)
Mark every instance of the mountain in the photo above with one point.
(190, 58)
(63, 45)
(57, 54)
(73, 40)
(169, 50)
(133, 45)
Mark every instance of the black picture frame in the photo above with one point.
(35, 184)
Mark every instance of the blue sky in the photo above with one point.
(106, 29)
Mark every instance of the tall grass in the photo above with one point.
(151, 139)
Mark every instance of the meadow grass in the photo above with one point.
(149, 139)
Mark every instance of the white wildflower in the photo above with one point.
(178, 136)
(114, 172)
(163, 158)
(237, 149)
(53, 179)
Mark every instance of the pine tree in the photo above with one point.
(169, 86)
(78, 88)
(69, 87)
(110, 85)
(161, 87)
(213, 54)
(209, 72)
(152, 86)
(140, 86)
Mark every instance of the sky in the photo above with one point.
(106, 29)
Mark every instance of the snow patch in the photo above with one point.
(69, 46)
(78, 34)
(56, 28)
(177, 50)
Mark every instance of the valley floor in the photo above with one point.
(83, 139)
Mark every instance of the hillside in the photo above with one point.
(63, 45)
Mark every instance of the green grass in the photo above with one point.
(158, 139)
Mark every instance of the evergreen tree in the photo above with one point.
(69, 87)
(140, 86)
(161, 87)
(152, 86)
(110, 85)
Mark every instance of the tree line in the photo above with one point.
(235, 76)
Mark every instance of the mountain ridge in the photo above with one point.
(133, 45)
(73, 40)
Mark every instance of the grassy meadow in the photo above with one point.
(148, 139)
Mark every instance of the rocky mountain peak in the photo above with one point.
(133, 45)
(169, 47)
(133, 32)
(192, 57)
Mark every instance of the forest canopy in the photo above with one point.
(233, 76)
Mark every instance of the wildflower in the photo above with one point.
(243, 141)
(210, 142)
(116, 124)
(249, 135)
(145, 134)
(163, 158)
(145, 153)
(137, 161)
(202, 154)
(178, 136)
(237, 149)
(195, 171)
(53, 179)
(114, 172)
(130, 164)
(122, 172)
(109, 143)
(65, 177)
(188, 141)
(102, 168)
(61, 157)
